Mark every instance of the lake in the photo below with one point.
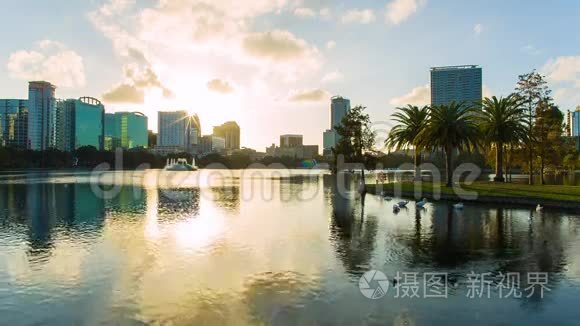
(272, 247)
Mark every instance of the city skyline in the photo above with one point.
(227, 70)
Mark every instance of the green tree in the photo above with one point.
(547, 133)
(501, 123)
(356, 138)
(450, 127)
(531, 89)
(571, 162)
(410, 122)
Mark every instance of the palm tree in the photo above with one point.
(501, 123)
(410, 121)
(450, 127)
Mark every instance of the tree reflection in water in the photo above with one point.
(352, 234)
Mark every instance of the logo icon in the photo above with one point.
(374, 284)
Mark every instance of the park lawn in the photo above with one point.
(491, 189)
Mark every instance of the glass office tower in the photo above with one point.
(339, 107)
(456, 84)
(13, 123)
(125, 130)
(41, 115)
(79, 123)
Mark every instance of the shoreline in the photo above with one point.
(499, 196)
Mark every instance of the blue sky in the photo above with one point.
(271, 65)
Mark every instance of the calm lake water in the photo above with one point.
(258, 247)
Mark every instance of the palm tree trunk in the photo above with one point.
(508, 163)
(449, 165)
(499, 163)
(417, 164)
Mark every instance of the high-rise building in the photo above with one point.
(125, 130)
(212, 144)
(41, 115)
(575, 123)
(460, 84)
(178, 129)
(64, 125)
(13, 123)
(172, 127)
(339, 108)
(291, 140)
(79, 122)
(230, 131)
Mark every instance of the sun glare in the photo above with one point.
(194, 97)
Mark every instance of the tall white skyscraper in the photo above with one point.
(339, 108)
(41, 115)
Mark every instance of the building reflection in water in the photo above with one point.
(71, 208)
(178, 203)
(226, 197)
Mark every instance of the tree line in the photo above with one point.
(524, 129)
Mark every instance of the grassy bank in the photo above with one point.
(548, 195)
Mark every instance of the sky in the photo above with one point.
(272, 65)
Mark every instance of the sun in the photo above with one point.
(193, 96)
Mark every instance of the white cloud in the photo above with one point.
(52, 61)
(564, 75)
(487, 92)
(333, 76)
(325, 14)
(420, 95)
(124, 93)
(304, 12)
(530, 49)
(309, 95)
(206, 38)
(116, 6)
(477, 29)
(362, 16)
(563, 69)
(220, 86)
(330, 44)
(276, 45)
(400, 10)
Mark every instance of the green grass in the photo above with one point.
(491, 189)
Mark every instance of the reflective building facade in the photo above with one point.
(339, 108)
(79, 123)
(125, 130)
(230, 131)
(13, 123)
(575, 123)
(456, 84)
(178, 129)
(41, 115)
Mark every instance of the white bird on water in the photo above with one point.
(458, 206)
(539, 208)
